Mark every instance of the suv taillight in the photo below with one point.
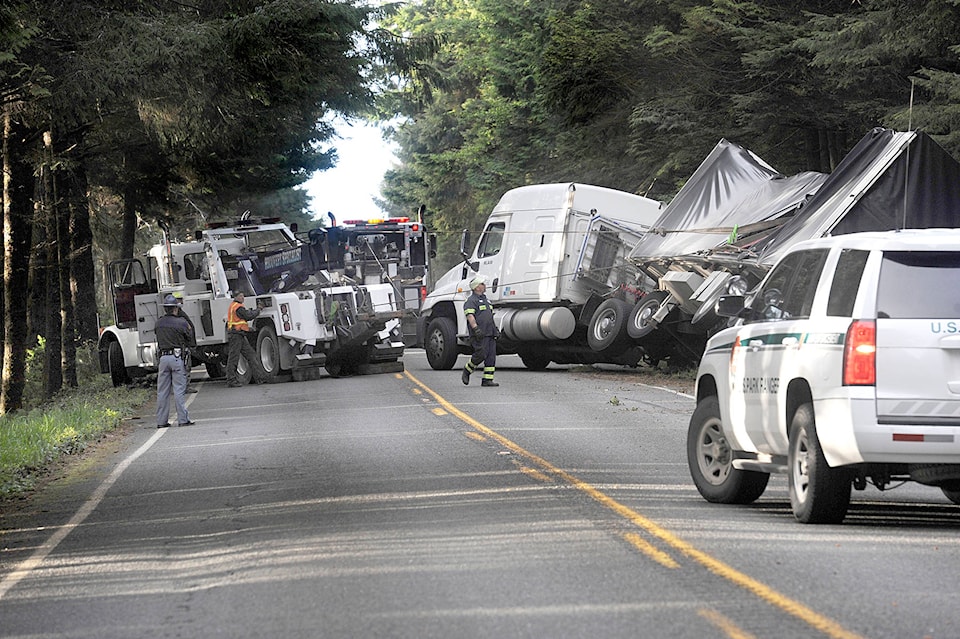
(860, 354)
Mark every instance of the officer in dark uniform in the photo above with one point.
(479, 312)
(174, 339)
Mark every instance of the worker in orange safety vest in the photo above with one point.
(237, 331)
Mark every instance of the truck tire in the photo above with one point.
(244, 371)
(608, 326)
(440, 343)
(638, 324)
(534, 361)
(819, 494)
(214, 370)
(268, 350)
(710, 459)
(118, 370)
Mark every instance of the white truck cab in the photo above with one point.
(554, 256)
(842, 370)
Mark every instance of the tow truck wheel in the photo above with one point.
(214, 370)
(118, 371)
(268, 350)
(244, 372)
(639, 324)
(608, 326)
(818, 494)
(441, 343)
(710, 459)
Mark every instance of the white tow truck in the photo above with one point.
(554, 256)
(394, 251)
(313, 314)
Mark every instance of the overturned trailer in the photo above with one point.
(737, 215)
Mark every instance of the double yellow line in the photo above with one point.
(823, 624)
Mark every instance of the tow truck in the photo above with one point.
(314, 312)
(394, 251)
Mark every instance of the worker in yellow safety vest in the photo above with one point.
(237, 330)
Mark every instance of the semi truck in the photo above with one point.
(554, 256)
(313, 313)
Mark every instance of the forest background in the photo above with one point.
(121, 115)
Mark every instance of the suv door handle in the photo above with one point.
(789, 341)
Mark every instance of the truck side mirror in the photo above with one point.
(465, 244)
(730, 305)
(432, 245)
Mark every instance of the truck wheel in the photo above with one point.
(244, 372)
(639, 324)
(118, 369)
(441, 343)
(214, 370)
(710, 459)
(535, 361)
(818, 494)
(608, 326)
(268, 350)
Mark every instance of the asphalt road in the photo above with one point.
(408, 505)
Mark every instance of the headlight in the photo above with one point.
(737, 285)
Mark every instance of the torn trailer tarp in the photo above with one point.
(732, 193)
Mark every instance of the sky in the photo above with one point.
(348, 189)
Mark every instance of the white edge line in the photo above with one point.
(27, 565)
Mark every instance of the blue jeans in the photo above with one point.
(171, 374)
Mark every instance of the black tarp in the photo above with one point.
(889, 180)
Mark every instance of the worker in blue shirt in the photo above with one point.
(479, 312)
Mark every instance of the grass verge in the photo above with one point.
(32, 442)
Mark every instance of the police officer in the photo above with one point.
(188, 360)
(479, 312)
(237, 330)
(174, 339)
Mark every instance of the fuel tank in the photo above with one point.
(532, 324)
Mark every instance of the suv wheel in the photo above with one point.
(818, 494)
(710, 459)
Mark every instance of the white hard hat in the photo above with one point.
(477, 281)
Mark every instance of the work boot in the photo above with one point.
(489, 382)
(465, 377)
(234, 384)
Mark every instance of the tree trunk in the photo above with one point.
(83, 289)
(17, 213)
(129, 233)
(68, 332)
(52, 367)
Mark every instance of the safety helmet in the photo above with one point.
(477, 281)
(170, 300)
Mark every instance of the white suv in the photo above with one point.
(843, 370)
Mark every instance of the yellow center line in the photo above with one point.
(822, 623)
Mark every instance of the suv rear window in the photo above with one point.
(919, 285)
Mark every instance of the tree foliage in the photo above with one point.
(632, 94)
(169, 111)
